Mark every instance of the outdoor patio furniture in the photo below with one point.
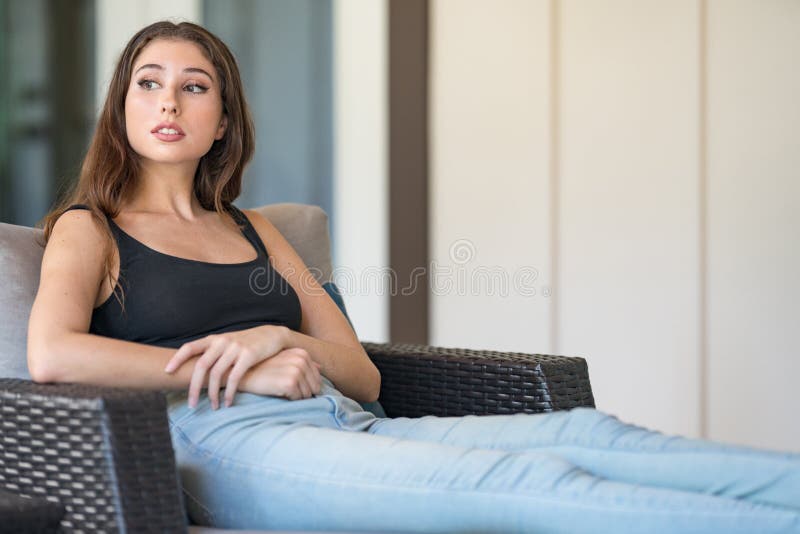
(99, 459)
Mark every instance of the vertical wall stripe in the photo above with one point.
(116, 22)
(555, 133)
(752, 187)
(490, 174)
(360, 198)
(408, 170)
(702, 204)
(628, 194)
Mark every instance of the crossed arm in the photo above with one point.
(60, 349)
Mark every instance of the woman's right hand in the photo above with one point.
(291, 373)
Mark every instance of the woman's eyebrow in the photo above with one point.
(197, 69)
(188, 69)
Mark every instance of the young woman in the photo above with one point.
(145, 283)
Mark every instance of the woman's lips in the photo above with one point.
(168, 131)
(168, 137)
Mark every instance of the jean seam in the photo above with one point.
(210, 515)
(183, 417)
(603, 503)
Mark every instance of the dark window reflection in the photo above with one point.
(285, 54)
(46, 101)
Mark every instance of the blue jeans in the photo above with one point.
(325, 464)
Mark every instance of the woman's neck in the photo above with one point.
(166, 190)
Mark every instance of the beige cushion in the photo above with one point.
(20, 259)
(304, 226)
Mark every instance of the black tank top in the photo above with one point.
(170, 301)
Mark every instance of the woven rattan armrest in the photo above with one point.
(29, 514)
(418, 380)
(104, 453)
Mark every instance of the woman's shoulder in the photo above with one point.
(77, 228)
(261, 224)
(77, 212)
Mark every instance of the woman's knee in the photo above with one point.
(590, 416)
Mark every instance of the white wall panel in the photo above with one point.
(489, 193)
(629, 254)
(754, 242)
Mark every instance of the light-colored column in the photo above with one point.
(490, 150)
(360, 231)
(119, 20)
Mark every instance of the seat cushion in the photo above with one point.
(21, 253)
(305, 227)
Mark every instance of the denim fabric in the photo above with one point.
(325, 464)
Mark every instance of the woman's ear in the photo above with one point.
(223, 124)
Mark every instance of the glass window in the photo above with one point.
(284, 50)
(46, 102)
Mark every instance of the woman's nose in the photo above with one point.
(169, 104)
(169, 107)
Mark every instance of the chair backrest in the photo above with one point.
(304, 226)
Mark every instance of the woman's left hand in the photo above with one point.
(240, 350)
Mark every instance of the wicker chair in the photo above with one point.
(80, 458)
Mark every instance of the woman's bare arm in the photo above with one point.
(60, 349)
(91, 359)
(324, 333)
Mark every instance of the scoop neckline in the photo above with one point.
(189, 260)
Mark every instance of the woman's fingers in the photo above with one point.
(239, 370)
(301, 380)
(294, 383)
(313, 377)
(306, 366)
(201, 366)
(186, 351)
(294, 373)
(229, 356)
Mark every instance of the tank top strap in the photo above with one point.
(248, 230)
(77, 207)
(123, 239)
(111, 223)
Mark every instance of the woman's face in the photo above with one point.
(173, 108)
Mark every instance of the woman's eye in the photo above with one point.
(195, 88)
(147, 84)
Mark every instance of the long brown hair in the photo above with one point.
(111, 166)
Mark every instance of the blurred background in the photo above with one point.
(614, 179)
